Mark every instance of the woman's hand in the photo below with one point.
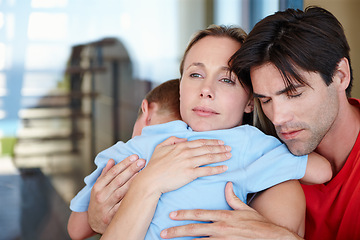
(109, 189)
(176, 162)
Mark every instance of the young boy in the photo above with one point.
(160, 105)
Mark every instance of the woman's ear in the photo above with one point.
(249, 106)
(342, 74)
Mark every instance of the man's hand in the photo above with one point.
(109, 189)
(241, 223)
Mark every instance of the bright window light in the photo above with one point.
(46, 26)
(2, 114)
(2, 56)
(1, 20)
(48, 3)
(46, 56)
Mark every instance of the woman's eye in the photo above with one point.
(195, 75)
(228, 80)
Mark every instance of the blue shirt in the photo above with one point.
(258, 162)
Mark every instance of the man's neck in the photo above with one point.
(339, 141)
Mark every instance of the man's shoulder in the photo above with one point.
(354, 102)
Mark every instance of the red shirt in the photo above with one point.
(333, 210)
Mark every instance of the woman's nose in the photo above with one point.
(206, 95)
(207, 91)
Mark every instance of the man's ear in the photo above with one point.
(342, 74)
(249, 106)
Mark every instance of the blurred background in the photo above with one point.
(72, 75)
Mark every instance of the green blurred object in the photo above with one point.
(7, 146)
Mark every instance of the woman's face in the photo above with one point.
(211, 98)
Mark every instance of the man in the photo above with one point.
(299, 67)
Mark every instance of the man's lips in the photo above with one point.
(204, 111)
(288, 135)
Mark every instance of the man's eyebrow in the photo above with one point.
(289, 89)
(258, 95)
(285, 90)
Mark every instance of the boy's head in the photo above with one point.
(160, 105)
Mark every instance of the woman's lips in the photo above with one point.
(204, 111)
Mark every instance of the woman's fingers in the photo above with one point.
(111, 171)
(208, 171)
(171, 141)
(106, 169)
(109, 189)
(119, 193)
(121, 176)
(174, 165)
(103, 192)
(208, 154)
(204, 142)
(108, 166)
(208, 150)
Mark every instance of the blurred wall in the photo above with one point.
(348, 13)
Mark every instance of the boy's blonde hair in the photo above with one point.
(167, 96)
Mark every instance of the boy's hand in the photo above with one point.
(109, 189)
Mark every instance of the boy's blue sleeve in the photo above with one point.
(80, 202)
(269, 163)
(274, 167)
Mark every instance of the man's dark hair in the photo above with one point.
(312, 40)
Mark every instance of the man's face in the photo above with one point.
(301, 118)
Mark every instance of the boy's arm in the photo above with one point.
(78, 226)
(318, 170)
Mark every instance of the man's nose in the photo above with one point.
(280, 114)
